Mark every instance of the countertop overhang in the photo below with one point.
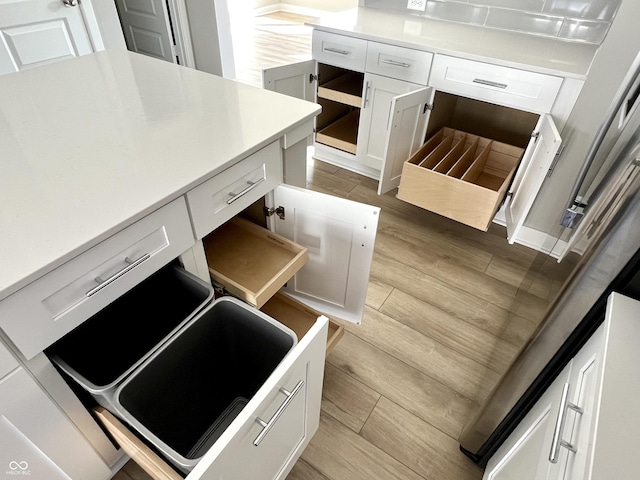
(90, 145)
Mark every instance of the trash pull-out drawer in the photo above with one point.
(271, 430)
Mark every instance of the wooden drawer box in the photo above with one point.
(460, 176)
(250, 261)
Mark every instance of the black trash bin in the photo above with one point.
(101, 352)
(186, 394)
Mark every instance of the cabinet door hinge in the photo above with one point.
(555, 160)
(535, 135)
(270, 211)
(427, 107)
(313, 76)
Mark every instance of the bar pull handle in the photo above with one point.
(266, 426)
(490, 83)
(131, 264)
(557, 440)
(252, 185)
(337, 50)
(366, 94)
(396, 63)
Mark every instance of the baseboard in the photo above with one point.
(284, 7)
(541, 241)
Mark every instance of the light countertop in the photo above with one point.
(531, 52)
(90, 145)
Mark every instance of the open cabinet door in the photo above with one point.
(294, 80)
(340, 236)
(407, 128)
(539, 155)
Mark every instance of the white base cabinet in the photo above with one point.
(586, 424)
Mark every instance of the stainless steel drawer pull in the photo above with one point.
(131, 264)
(557, 441)
(266, 426)
(236, 196)
(337, 50)
(396, 64)
(490, 83)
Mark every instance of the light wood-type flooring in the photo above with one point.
(447, 309)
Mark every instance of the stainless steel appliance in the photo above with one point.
(603, 226)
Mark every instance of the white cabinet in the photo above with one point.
(37, 439)
(585, 426)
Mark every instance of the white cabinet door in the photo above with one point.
(375, 118)
(36, 439)
(339, 235)
(146, 28)
(524, 455)
(537, 159)
(407, 128)
(235, 454)
(33, 32)
(294, 80)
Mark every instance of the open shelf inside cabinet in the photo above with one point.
(340, 95)
(252, 262)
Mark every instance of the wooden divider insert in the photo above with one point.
(465, 161)
(438, 153)
(451, 157)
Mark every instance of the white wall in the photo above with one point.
(612, 61)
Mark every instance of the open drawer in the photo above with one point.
(267, 436)
(460, 176)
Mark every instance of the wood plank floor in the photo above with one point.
(447, 309)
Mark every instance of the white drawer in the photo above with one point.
(222, 197)
(7, 361)
(45, 310)
(398, 62)
(529, 91)
(339, 50)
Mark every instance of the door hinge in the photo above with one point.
(270, 211)
(427, 108)
(555, 160)
(535, 135)
(313, 76)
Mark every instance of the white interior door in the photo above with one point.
(539, 155)
(294, 80)
(340, 236)
(146, 28)
(35, 32)
(407, 128)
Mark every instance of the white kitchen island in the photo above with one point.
(112, 166)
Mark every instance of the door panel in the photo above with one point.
(375, 117)
(340, 236)
(293, 80)
(146, 28)
(34, 33)
(531, 173)
(408, 127)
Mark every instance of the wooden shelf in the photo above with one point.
(346, 89)
(341, 134)
(252, 263)
(300, 318)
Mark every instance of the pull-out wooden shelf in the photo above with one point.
(460, 176)
(300, 318)
(250, 261)
(341, 134)
(346, 89)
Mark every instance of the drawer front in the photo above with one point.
(340, 51)
(222, 197)
(398, 62)
(280, 444)
(7, 361)
(533, 92)
(45, 310)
